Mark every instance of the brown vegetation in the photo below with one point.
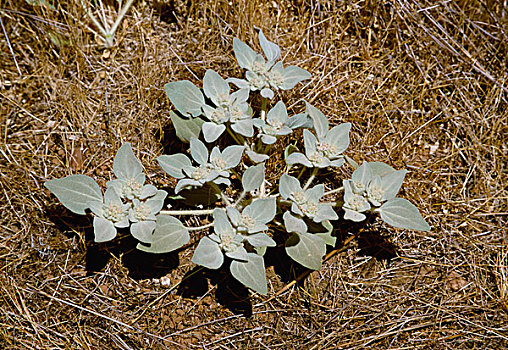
(424, 84)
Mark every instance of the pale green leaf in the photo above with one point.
(208, 254)
(143, 230)
(294, 224)
(186, 97)
(126, 165)
(253, 177)
(338, 136)
(199, 152)
(215, 87)
(261, 240)
(245, 56)
(287, 185)
(212, 131)
(392, 183)
(270, 49)
(174, 164)
(104, 230)
(292, 75)
(251, 273)
(306, 249)
(75, 192)
(169, 235)
(186, 128)
(320, 121)
(401, 213)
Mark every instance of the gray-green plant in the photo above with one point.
(249, 211)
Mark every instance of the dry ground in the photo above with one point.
(424, 84)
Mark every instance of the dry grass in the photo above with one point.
(424, 84)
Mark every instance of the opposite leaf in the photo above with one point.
(208, 254)
(306, 249)
(126, 165)
(75, 192)
(186, 97)
(169, 235)
(103, 230)
(253, 177)
(186, 128)
(251, 273)
(401, 213)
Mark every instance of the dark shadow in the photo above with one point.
(165, 11)
(234, 296)
(286, 268)
(194, 283)
(69, 223)
(141, 265)
(373, 243)
(171, 144)
(230, 293)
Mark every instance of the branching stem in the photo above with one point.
(311, 178)
(199, 228)
(340, 189)
(187, 212)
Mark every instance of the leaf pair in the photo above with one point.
(264, 75)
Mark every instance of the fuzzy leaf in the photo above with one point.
(75, 192)
(261, 240)
(301, 120)
(401, 213)
(251, 273)
(262, 209)
(215, 87)
(278, 114)
(126, 165)
(104, 230)
(267, 93)
(339, 137)
(169, 235)
(253, 177)
(298, 158)
(320, 121)
(212, 131)
(293, 75)
(186, 128)
(174, 164)
(380, 168)
(232, 155)
(186, 97)
(244, 127)
(245, 56)
(208, 254)
(363, 174)
(256, 157)
(143, 230)
(222, 226)
(294, 224)
(392, 182)
(271, 50)
(199, 152)
(287, 185)
(306, 249)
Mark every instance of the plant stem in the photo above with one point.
(234, 136)
(187, 212)
(199, 228)
(340, 189)
(264, 101)
(121, 15)
(311, 178)
(242, 196)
